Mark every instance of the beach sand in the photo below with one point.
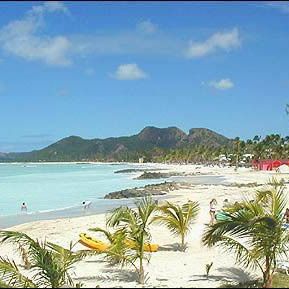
(168, 267)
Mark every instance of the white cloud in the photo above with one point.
(129, 72)
(22, 37)
(218, 41)
(147, 27)
(223, 84)
(49, 6)
(25, 38)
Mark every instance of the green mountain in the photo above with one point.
(149, 142)
(207, 136)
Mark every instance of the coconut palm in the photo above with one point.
(254, 231)
(118, 249)
(51, 263)
(237, 152)
(135, 224)
(178, 219)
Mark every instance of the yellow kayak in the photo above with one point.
(93, 243)
(147, 247)
(102, 247)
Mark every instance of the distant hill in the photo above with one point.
(148, 141)
(207, 136)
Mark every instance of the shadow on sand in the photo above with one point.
(170, 248)
(228, 274)
(112, 274)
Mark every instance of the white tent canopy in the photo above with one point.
(283, 169)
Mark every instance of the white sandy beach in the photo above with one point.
(168, 267)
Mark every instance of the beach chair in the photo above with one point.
(221, 216)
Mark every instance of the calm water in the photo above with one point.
(53, 191)
(48, 187)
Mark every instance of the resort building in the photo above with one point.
(269, 165)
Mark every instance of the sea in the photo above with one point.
(57, 190)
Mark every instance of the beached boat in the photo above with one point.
(147, 247)
(93, 243)
(100, 246)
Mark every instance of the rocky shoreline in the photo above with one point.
(148, 190)
(152, 175)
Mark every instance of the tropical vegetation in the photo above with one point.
(178, 219)
(50, 264)
(131, 236)
(254, 230)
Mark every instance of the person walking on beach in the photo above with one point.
(213, 209)
(23, 207)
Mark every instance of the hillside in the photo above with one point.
(148, 142)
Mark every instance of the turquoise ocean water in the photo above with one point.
(48, 187)
(54, 191)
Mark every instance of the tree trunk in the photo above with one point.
(267, 275)
(141, 272)
(183, 243)
(237, 156)
(268, 280)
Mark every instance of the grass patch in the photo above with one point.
(249, 284)
(279, 281)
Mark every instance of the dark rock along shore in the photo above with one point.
(148, 190)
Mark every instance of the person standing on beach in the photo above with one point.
(23, 207)
(213, 209)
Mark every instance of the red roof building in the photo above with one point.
(268, 165)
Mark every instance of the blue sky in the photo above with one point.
(110, 69)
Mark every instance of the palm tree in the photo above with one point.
(254, 231)
(237, 152)
(118, 249)
(178, 219)
(50, 262)
(135, 224)
(11, 277)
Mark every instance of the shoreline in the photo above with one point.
(190, 174)
(167, 267)
(161, 188)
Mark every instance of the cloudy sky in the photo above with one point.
(109, 69)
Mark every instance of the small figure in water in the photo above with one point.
(23, 207)
(86, 204)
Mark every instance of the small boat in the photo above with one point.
(102, 247)
(147, 247)
(93, 243)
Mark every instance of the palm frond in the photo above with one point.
(244, 256)
(107, 234)
(253, 230)
(11, 277)
(178, 219)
